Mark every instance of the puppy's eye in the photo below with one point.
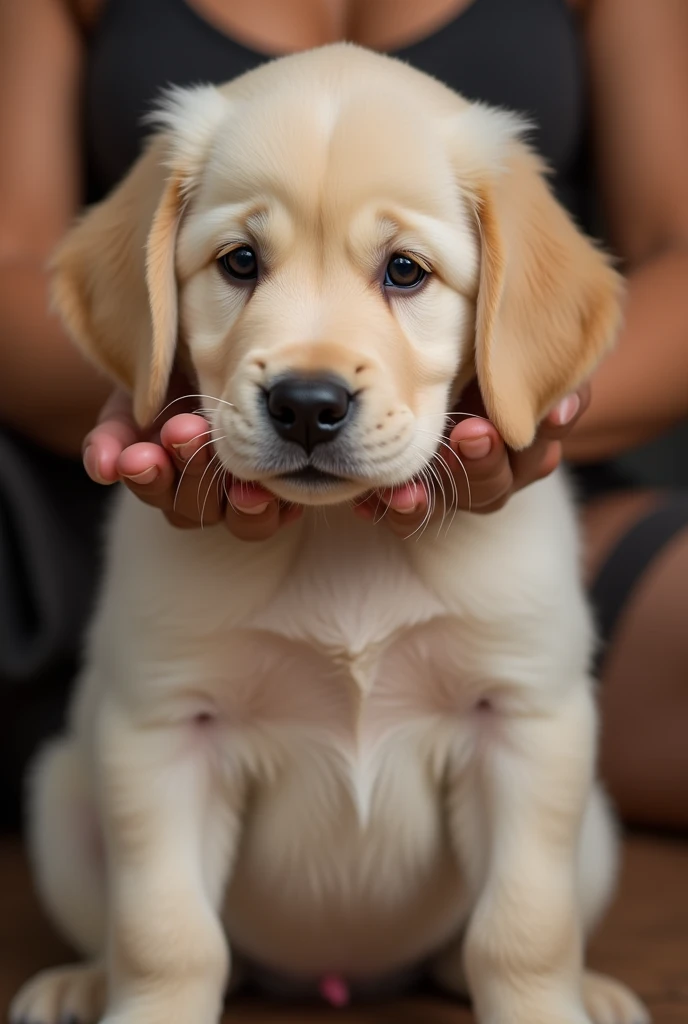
(403, 272)
(240, 263)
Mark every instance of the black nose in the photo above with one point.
(308, 410)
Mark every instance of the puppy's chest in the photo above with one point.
(349, 596)
(352, 646)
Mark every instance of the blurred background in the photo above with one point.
(605, 85)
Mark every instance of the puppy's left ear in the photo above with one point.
(114, 281)
(549, 302)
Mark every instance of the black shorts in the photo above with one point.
(634, 552)
(628, 561)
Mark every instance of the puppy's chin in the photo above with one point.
(312, 487)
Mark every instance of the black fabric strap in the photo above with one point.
(628, 561)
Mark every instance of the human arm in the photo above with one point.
(638, 58)
(47, 391)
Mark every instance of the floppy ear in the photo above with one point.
(114, 281)
(549, 302)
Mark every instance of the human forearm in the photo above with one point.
(47, 391)
(642, 387)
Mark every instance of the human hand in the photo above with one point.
(478, 471)
(174, 469)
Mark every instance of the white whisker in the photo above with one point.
(465, 472)
(217, 473)
(455, 412)
(455, 494)
(229, 500)
(375, 519)
(205, 445)
(183, 398)
(426, 518)
(440, 482)
(202, 433)
(445, 444)
(200, 482)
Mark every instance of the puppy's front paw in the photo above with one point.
(75, 994)
(609, 1002)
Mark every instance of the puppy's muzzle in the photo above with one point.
(309, 410)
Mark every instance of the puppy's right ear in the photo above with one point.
(114, 281)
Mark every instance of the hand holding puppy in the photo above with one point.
(171, 470)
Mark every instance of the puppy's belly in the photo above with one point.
(345, 863)
(318, 889)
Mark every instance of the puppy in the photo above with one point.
(336, 758)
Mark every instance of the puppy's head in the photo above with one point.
(338, 244)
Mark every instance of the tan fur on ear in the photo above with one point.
(114, 282)
(114, 275)
(549, 303)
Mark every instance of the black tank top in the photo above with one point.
(526, 56)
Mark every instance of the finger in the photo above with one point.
(147, 471)
(181, 522)
(100, 454)
(558, 424)
(478, 461)
(253, 527)
(365, 508)
(249, 498)
(536, 462)
(289, 513)
(119, 408)
(115, 431)
(406, 524)
(406, 499)
(406, 509)
(188, 440)
(379, 505)
(201, 498)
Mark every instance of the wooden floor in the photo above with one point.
(644, 942)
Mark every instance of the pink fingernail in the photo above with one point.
(92, 466)
(254, 510)
(146, 477)
(406, 511)
(476, 447)
(186, 450)
(566, 410)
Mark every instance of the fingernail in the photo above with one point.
(475, 447)
(90, 461)
(186, 450)
(566, 410)
(406, 511)
(254, 510)
(146, 477)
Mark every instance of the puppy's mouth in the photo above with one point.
(311, 476)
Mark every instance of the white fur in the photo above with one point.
(334, 751)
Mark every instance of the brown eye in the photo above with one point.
(403, 272)
(240, 263)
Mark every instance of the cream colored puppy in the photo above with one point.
(337, 757)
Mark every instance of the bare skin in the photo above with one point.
(638, 57)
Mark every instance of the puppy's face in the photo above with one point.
(338, 244)
(328, 271)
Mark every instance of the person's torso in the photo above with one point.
(527, 57)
